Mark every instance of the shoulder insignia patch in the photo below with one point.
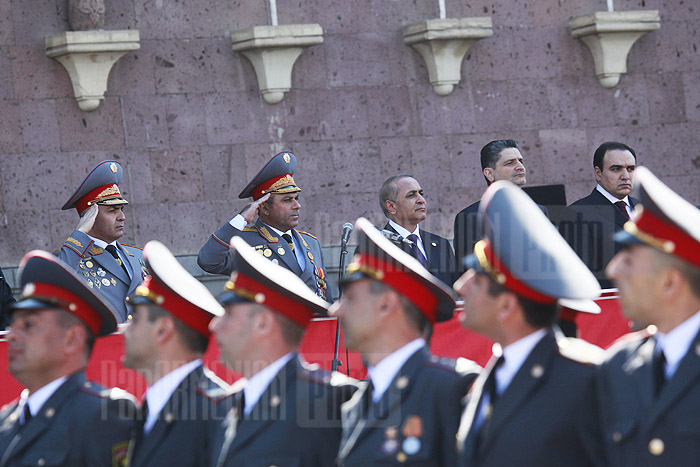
(74, 242)
(130, 246)
(266, 233)
(580, 351)
(307, 233)
(249, 229)
(94, 250)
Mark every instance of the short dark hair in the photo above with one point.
(414, 315)
(537, 315)
(389, 191)
(194, 341)
(66, 319)
(599, 153)
(492, 152)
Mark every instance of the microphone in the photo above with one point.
(347, 229)
(394, 237)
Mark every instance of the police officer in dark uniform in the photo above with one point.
(534, 404)
(165, 341)
(288, 412)
(409, 409)
(648, 386)
(276, 203)
(92, 250)
(61, 417)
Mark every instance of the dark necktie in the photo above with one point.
(622, 206)
(113, 251)
(415, 250)
(658, 364)
(289, 240)
(27, 414)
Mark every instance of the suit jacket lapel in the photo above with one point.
(685, 379)
(526, 380)
(641, 373)
(278, 395)
(401, 245)
(39, 423)
(353, 413)
(173, 410)
(467, 434)
(276, 242)
(308, 269)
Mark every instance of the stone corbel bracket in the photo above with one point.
(610, 36)
(88, 56)
(443, 43)
(273, 50)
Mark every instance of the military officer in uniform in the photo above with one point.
(165, 340)
(92, 250)
(61, 418)
(409, 410)
(534, 404)
(288, 413)
(276, 203)
(648, 385)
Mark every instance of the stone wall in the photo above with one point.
(185, 118)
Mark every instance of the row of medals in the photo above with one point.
(86, 268)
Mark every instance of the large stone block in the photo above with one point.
(181, 66)
(357, 59)
(691, 93)
(389, 112)
(565, 155)
(39, 126)
(666, 99)
(145, 121)
(132, 75)
(10, 127)
(37, 180)
(36, 76)
(184, 118)
(33, 20)
(101, 129)
(177, 175)
(236, 118)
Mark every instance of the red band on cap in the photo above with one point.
(403, 282)
(667, 237)
(185, 311)
(282, 304)
(261, 190)
(100, 193)
(70, 302)
(511, 282)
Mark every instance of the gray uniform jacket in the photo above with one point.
(180, 436)
(639, 428)
(215, 256)
(415, 421)
(296, 422)
(81, 424)
(545, 417)
(101, 270)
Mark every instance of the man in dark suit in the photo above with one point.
(534, 404)
(6, 301)
(588, 224)
(274, 234)
(409, 410)
(114, 269)
(61, 418)
(165, 341)
(288, 412)
(648, 386)
(401, 199)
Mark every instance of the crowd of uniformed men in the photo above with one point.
(543, 399)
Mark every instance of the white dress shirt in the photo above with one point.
(257, 385)
(514, 356)
(37, 399)
(383, 373)
(614, 200)
(161, 391)
(675, 343)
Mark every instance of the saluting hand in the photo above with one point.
(87, 221)
(251, 210)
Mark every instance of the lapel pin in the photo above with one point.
(537, 370)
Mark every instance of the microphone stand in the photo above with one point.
(341, 271)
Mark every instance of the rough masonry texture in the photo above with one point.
(185, 118)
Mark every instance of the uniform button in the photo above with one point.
(50, 412)
(617, 437)
(41, 461)
(656, 446)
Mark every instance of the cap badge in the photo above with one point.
(113, 167)
(286, 158)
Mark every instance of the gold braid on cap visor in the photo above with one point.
(366, 270)
(480, 253)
